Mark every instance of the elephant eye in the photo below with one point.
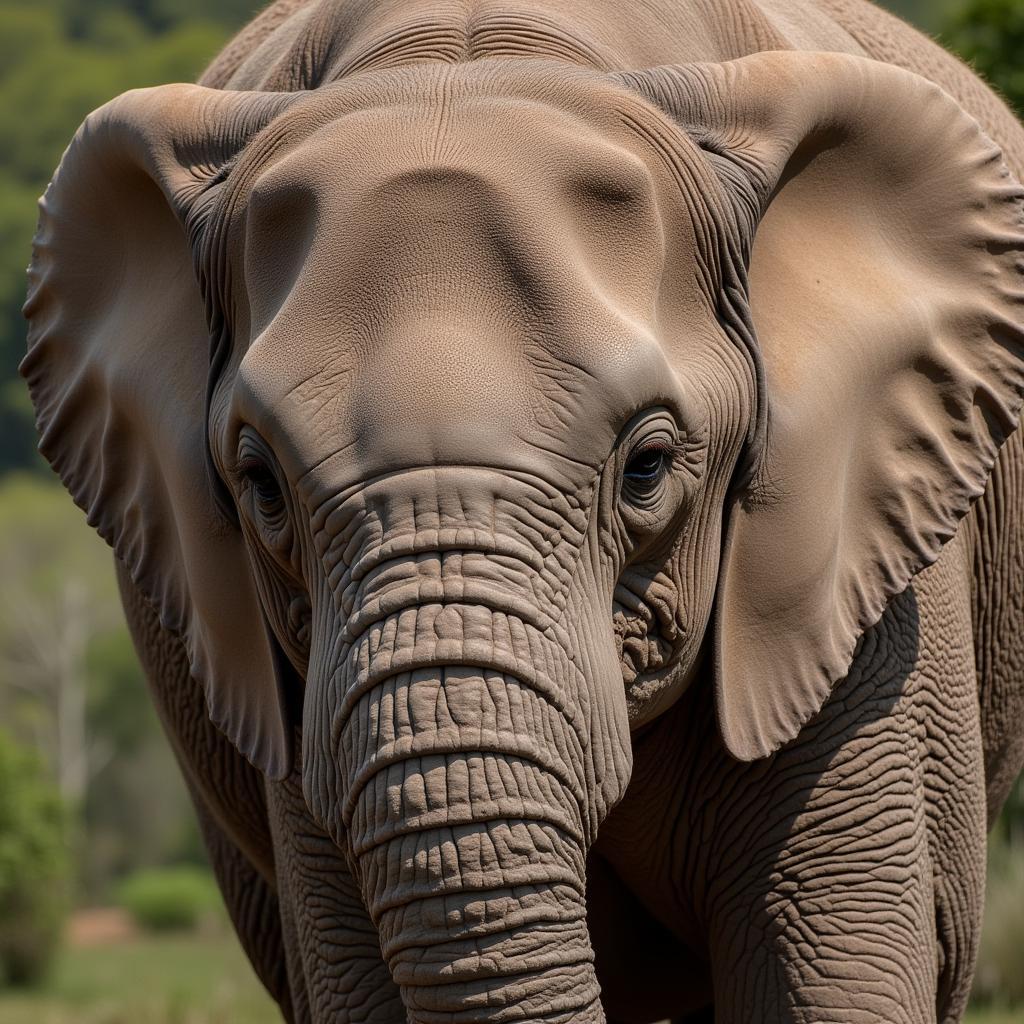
(266, 491)
(645, 468)
(262, 500)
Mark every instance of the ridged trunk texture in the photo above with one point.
(461, 793)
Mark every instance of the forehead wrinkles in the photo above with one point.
(587, 110)
(695, 185)
(417, 87)
(447, 189)
(567, 92)
(500, 200)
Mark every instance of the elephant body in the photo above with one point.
(830, 868)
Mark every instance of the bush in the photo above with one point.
(34, 866)
(170, 899)
(999, 978)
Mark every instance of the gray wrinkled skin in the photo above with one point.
(562, 467)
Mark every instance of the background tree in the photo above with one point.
(33, 865)
(59, 59)
(70, 685)
(925, 14)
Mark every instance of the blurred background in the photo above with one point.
(108, 913)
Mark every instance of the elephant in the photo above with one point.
(562, 468)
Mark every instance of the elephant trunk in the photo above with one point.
(463, 800)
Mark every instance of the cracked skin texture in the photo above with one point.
(562, 467)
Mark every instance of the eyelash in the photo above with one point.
(644, 451)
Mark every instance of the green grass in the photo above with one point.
(994, 1017)
(151, 980)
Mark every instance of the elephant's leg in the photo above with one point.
(821, 898)
(947, 709)
(330, 948)
(842, 878)
(343, 975)
(998, 533)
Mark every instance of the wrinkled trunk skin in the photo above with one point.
(465, 814)
(472, 861)
(463, 756)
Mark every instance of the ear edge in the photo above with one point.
(64, 371)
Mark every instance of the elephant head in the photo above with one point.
(473, 412)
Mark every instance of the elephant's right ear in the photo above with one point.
(117, 367)
(883, 237)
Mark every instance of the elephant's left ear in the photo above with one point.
(885, 239)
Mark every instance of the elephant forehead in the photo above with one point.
(513, 197)
(457, 277)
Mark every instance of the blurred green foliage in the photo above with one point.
(170, 899)
(70, 682)
(60, 59)
(925, 14)
(999, 978)
(34, 865)
(175, 978)
(989, 34)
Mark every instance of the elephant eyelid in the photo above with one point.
(647, 463)
(255, 475)
(662, 446)
(657, 444)
(252, 468)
